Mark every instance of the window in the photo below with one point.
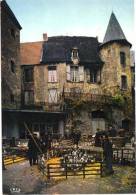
(29, 97)
(74, 74)
(12, 66)
(91, 76)
(122, 59)
(53, 96)
(52, 74)
(28, 74)
(123, 82)
(12, 100)
(13, 34)
(74, 53)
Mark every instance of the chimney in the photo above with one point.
(45, 37)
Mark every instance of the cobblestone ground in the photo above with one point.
(30, 181)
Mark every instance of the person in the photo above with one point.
(98, 137)
(44, 142)
(76, 137)
(13, 142)
(112, 132)
(108, 154)
(33, 150)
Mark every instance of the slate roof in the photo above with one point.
(114, 31)
(58, 49)
(6, 8)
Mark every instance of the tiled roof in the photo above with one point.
(58, 49)
(30, 53)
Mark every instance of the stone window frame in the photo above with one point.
(74, 74)
(124, 84)
(27, 70)
(13, 33)
(12, 98)
(123, 59)
(91, 76)
(54, 77)
(12, 65)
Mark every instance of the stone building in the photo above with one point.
(77, 83)
(64, 83)
(10, 69)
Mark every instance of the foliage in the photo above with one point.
(123, 100)
(118, 100)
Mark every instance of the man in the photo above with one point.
(33, 145)
(108, 154)
(76, 137)
(98, 137)
(112, 132)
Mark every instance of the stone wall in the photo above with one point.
(10, 49)
(112, 69)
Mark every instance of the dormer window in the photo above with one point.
(74, 53)
(74, 56)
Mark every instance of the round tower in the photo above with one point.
(115, 53)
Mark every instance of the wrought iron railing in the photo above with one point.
(101, 98)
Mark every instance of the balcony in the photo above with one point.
(88, 97)
(63, 103)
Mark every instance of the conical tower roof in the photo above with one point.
(114, 31)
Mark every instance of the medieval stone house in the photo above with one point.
(78, 83)
(68, 83)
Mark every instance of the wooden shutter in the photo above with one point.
(81, 73)
(53, 96)
(68, 73)
(99, 76)
(49, 76)
(29, 97)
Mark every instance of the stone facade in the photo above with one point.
(10, 58)
(112, 69)
(10, 71)
(91, 88)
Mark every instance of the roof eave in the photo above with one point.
(121, 41)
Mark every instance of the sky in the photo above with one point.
(71, 17)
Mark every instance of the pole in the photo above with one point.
(33, 137)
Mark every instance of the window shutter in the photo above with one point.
(26, 97)
(99, 76)
(49, 76)
(68, 73)
(81, 73)
(87, 75)
(53, 96)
